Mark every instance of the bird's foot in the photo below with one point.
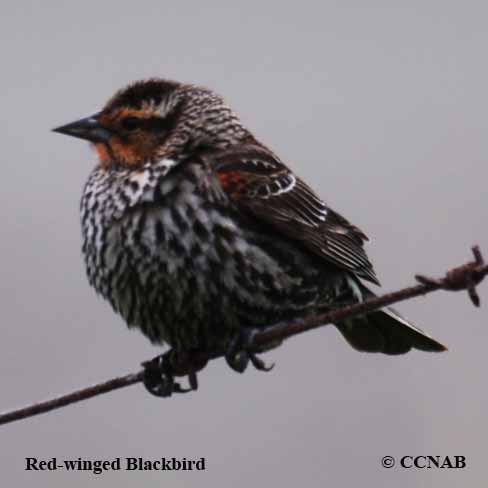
(159, 376)
(239, 352)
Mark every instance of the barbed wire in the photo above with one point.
(464, 277)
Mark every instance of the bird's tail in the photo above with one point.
(385, 331)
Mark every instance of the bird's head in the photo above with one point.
(154, 120)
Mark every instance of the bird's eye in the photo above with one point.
(130, 123)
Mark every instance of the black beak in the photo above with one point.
(88, 129)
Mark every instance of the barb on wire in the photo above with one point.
(464, 277)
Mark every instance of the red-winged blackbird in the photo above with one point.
(195, 232)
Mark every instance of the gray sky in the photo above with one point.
(382, 108)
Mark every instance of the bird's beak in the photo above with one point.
(88, 128)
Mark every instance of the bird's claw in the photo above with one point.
(239, 352)
(159, 377)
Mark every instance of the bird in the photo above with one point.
(199, 235)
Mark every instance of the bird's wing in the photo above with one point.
(258, 182)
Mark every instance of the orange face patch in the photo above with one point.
(102, 153)
(129, 149)
(128, 154)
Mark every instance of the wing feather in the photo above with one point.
(257, 181)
